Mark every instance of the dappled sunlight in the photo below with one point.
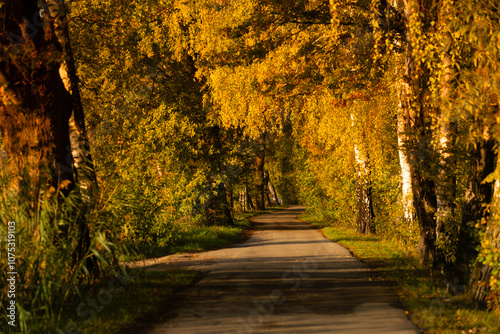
(284, 279)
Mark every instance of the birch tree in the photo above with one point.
(406, 187)
(416, 112)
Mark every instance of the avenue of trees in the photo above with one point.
(123, 121)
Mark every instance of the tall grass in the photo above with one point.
(50, 274)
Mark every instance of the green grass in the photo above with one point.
(198, 238)
(425, 297)
(144, 294)
(203, 238)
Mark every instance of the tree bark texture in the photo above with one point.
(273, 196)
(481, 275)
(446, 221)
(406, 188)
(217, 208)
(364, 221)
(35, 106)
(249, 206)
(416, 116)
(80, 147)
(478, 193)
(409, 215)
(41, 107)
(259, 176)
(245, 200)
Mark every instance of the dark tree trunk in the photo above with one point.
(425, 199)
(35, 106)
(416, 116)
(481, 272)
(265, 182)
(40, 81)
(478, 193)
(446, 220)
(424, 196)
(366, 215)
(248, 200)
(227, 216)
(259, 176)
(230, 198)
(80, 147)
(217, 208)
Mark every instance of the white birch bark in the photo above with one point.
(445, 187)
(406, 187)
(360, 157)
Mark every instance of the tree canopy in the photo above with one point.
(377, 115)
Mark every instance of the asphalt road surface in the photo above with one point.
(286, 278)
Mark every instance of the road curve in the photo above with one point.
(286, 278)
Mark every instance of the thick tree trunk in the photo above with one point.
(80, 147)
(45, 104)
(403, 141)
(477, 194)
(422, 184)
(481, 275)
(35, 106)
(227, 213)
(265, 182)
(415, 113)
(218, 209)
(445, 188)
(480, 285)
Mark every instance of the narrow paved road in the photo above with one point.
(286, 278)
